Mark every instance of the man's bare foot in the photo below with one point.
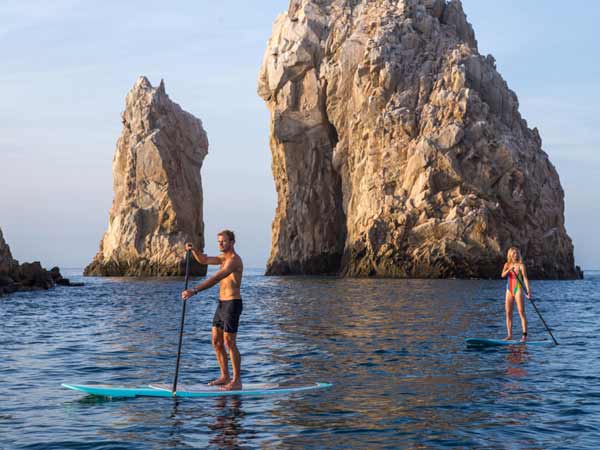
(234, 385)
(220, 381)
(524, 338)
(507, 338)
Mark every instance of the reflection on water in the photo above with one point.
(394, 350)
(516, 357)
(227, 425)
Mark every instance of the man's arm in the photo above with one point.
(223, 272)
(202, 258)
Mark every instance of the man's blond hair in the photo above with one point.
(228, 233)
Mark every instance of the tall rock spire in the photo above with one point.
(157, 205)
(398, 150)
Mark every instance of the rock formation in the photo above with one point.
(158, 190)
(27, 276)
(398, 150)
(7, 263)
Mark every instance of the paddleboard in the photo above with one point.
(163, 390)
(480, 342)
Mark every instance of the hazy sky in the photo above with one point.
(67, 66)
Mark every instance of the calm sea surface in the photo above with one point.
(394, 350)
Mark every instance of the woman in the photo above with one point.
(515, 270)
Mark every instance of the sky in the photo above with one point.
(67, 66)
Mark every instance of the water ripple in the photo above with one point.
(394, 350)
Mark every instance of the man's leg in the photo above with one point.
(236, 362)
(221, 354)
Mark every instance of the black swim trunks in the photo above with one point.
(227, 315)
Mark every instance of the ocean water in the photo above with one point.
(394, 350)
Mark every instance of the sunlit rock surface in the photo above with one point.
(398, 150)
(157, 205)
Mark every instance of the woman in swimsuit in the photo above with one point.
(515, 270)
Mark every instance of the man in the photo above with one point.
(227, 316)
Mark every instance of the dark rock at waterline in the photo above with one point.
(16, 277)
(60, 280)
(5, 280)
(32, 277)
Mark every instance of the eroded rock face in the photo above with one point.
(158, 189)
(398, 150)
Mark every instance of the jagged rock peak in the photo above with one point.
(158, 188)
(398, 150)
(7, 263)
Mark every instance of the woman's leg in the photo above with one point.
(508, 304)
(521, 309)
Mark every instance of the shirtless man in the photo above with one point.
(227, 315)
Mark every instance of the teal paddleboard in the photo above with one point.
(480, 342)
(163, 390)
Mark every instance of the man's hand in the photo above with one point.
(188, 246)
(187, 294)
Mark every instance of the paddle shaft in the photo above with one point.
(535, 307)
(187, 278)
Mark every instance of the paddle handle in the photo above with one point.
(535, 307)
(187, 278)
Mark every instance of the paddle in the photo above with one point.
(534, 306)
(187, 276)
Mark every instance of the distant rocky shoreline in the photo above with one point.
(15, 277)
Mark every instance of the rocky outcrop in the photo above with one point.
(27, 276)
(158, 190)
(398, 150)
(7, 263)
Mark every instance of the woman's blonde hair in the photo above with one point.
(517, 254)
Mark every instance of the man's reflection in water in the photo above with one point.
(227, 422)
